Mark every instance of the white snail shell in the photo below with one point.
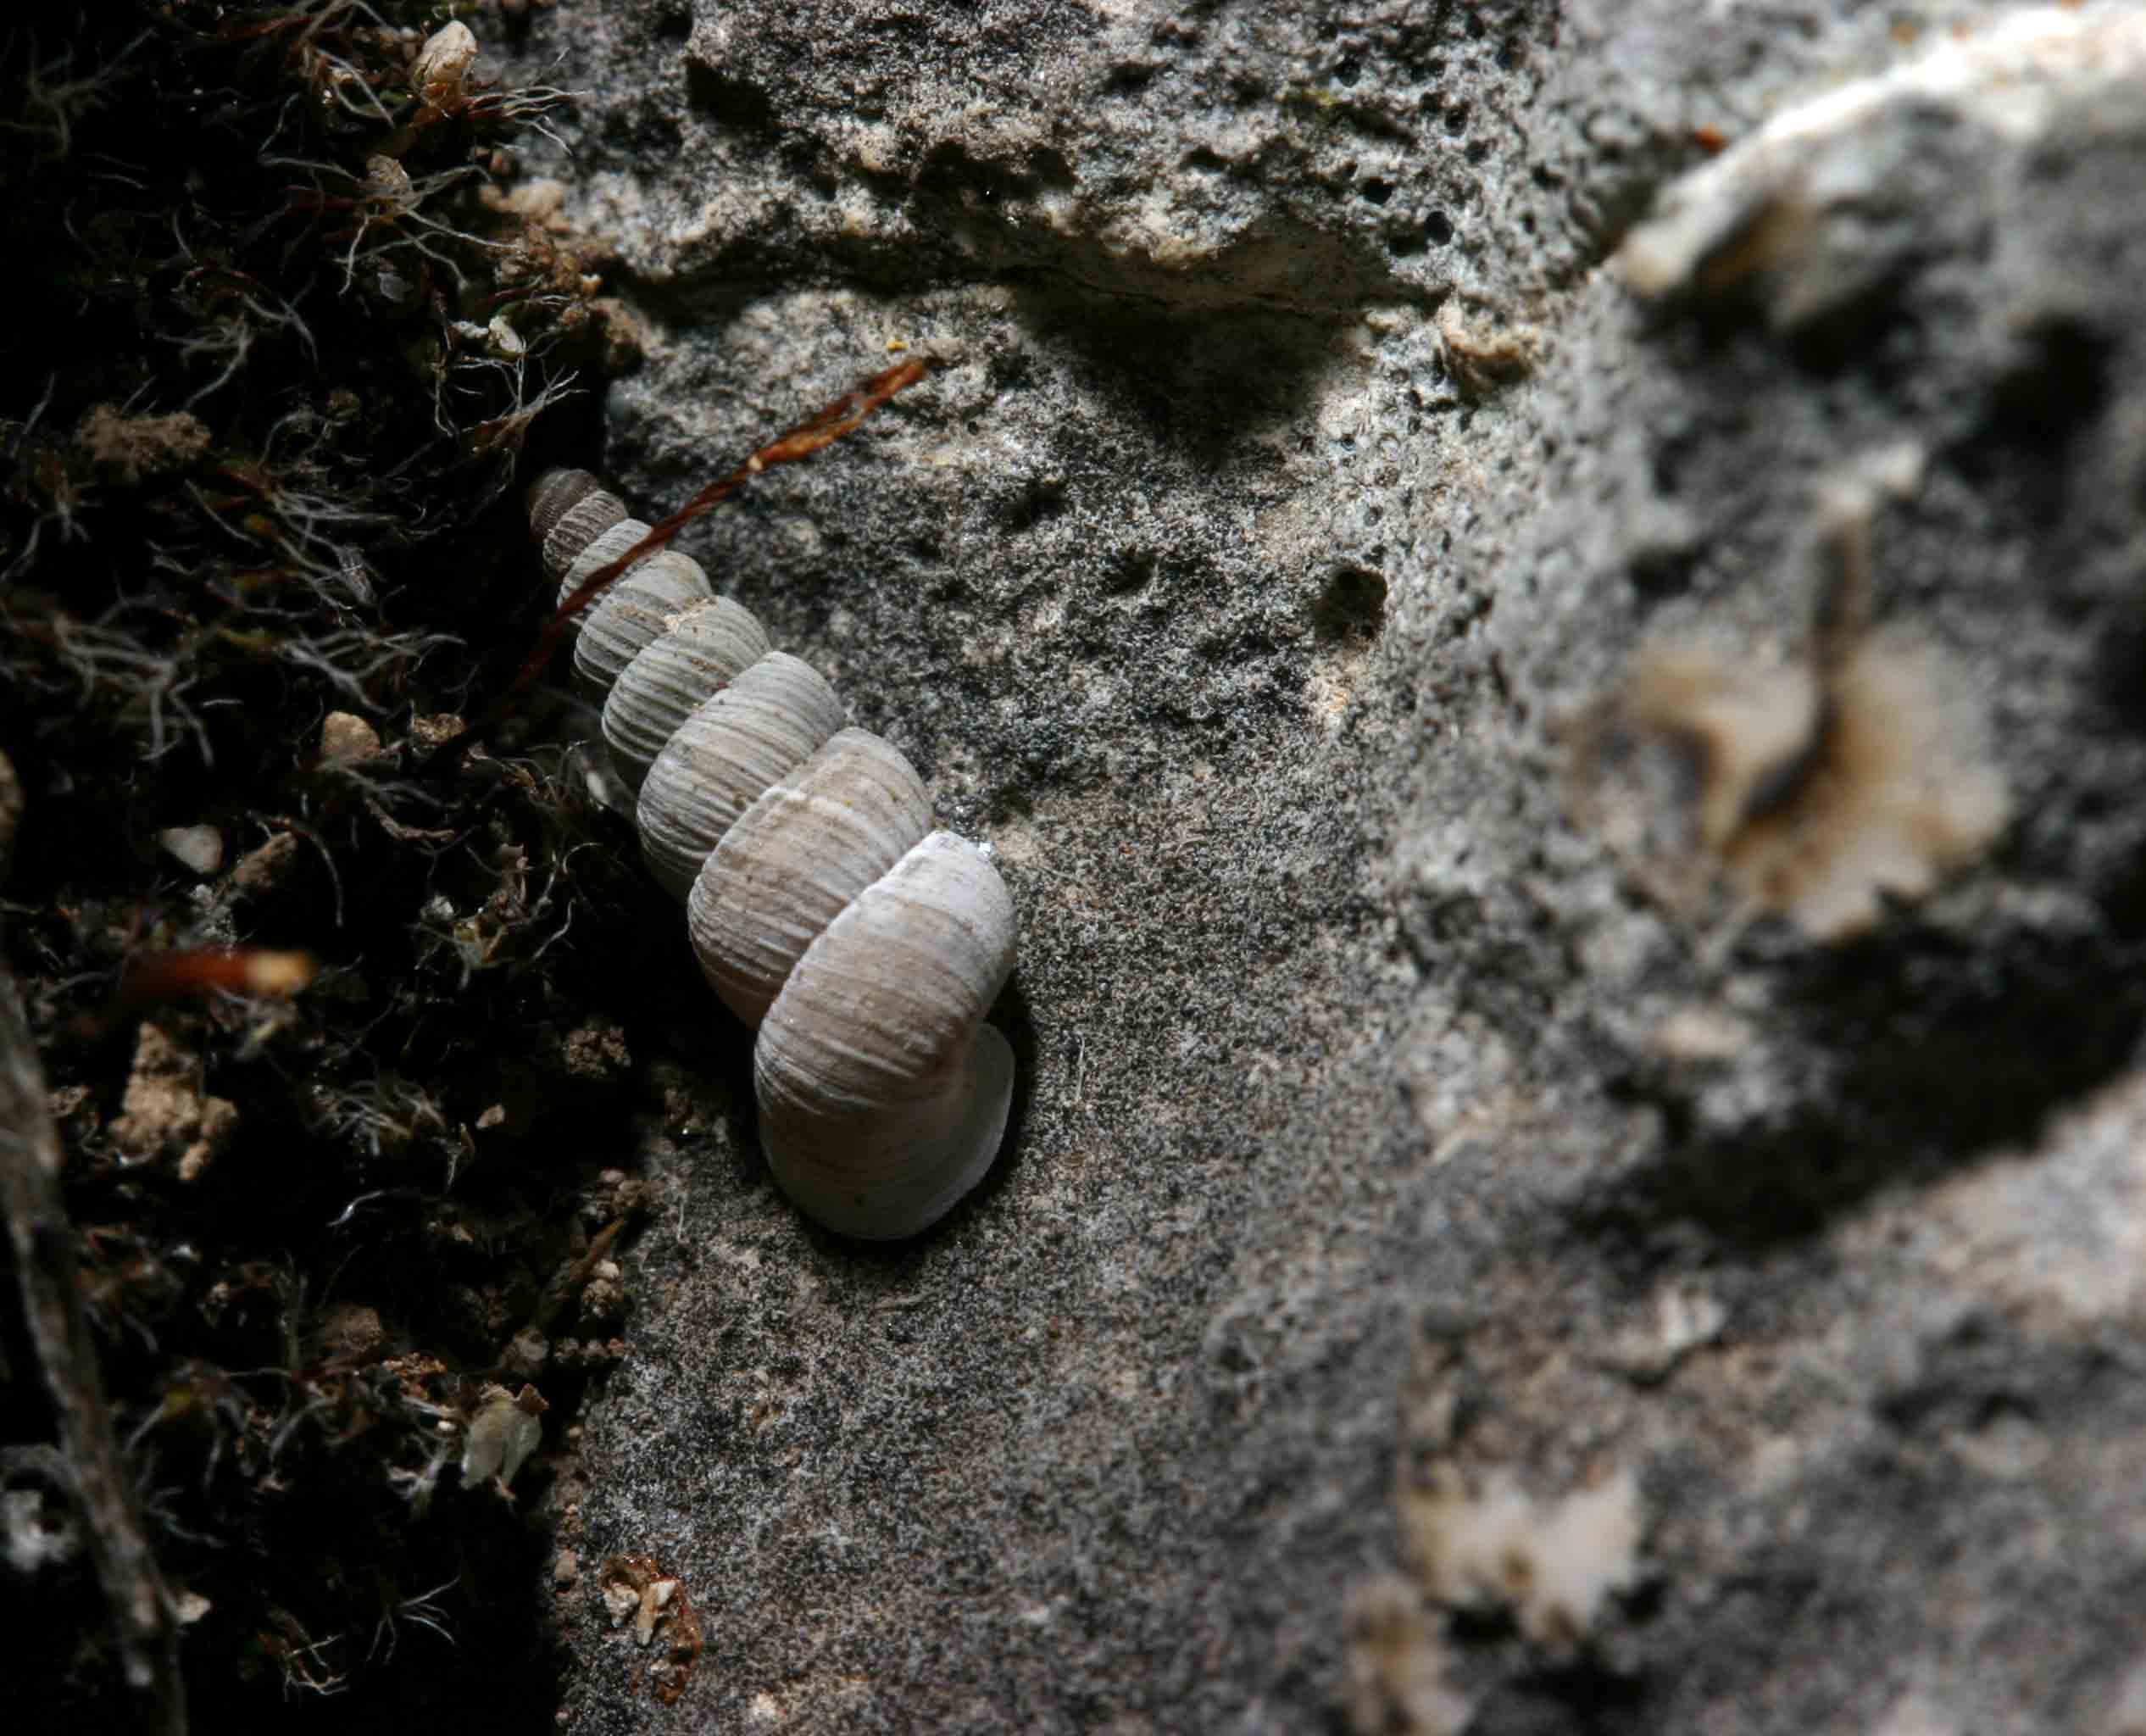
(865, 946)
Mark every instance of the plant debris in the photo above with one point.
(287, 323)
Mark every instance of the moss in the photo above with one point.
(286, 329)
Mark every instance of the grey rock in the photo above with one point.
(1578, 844)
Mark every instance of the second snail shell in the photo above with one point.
(825, 911)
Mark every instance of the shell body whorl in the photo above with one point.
(823, 909)
(883, 1095)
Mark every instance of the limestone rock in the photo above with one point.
(1266, 569)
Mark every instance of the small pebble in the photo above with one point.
(200, 848)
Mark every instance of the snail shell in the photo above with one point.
(865, 946)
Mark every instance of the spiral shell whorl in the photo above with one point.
(867, 947)
(567, 511)
(709, 646)
(883, 1095)
(796, 859)
(737, 744)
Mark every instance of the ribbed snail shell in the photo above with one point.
(825, 911)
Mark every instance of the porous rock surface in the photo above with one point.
(1544, 606)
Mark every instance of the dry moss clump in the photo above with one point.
(281, 331)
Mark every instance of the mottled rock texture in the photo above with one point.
(1544, 606)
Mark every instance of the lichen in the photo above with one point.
(1554, 1563)
(1823, 779)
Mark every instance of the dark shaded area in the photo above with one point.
(1209, 381)
(1351, 605)
(277, 346)
(730, 102)
(2047, 396)
(1931, 1058)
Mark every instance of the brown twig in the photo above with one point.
(234, 970)
(570, 1277)
(46, 1268)
(151, 978)
(822, 429)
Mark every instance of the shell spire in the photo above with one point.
(865, 946)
